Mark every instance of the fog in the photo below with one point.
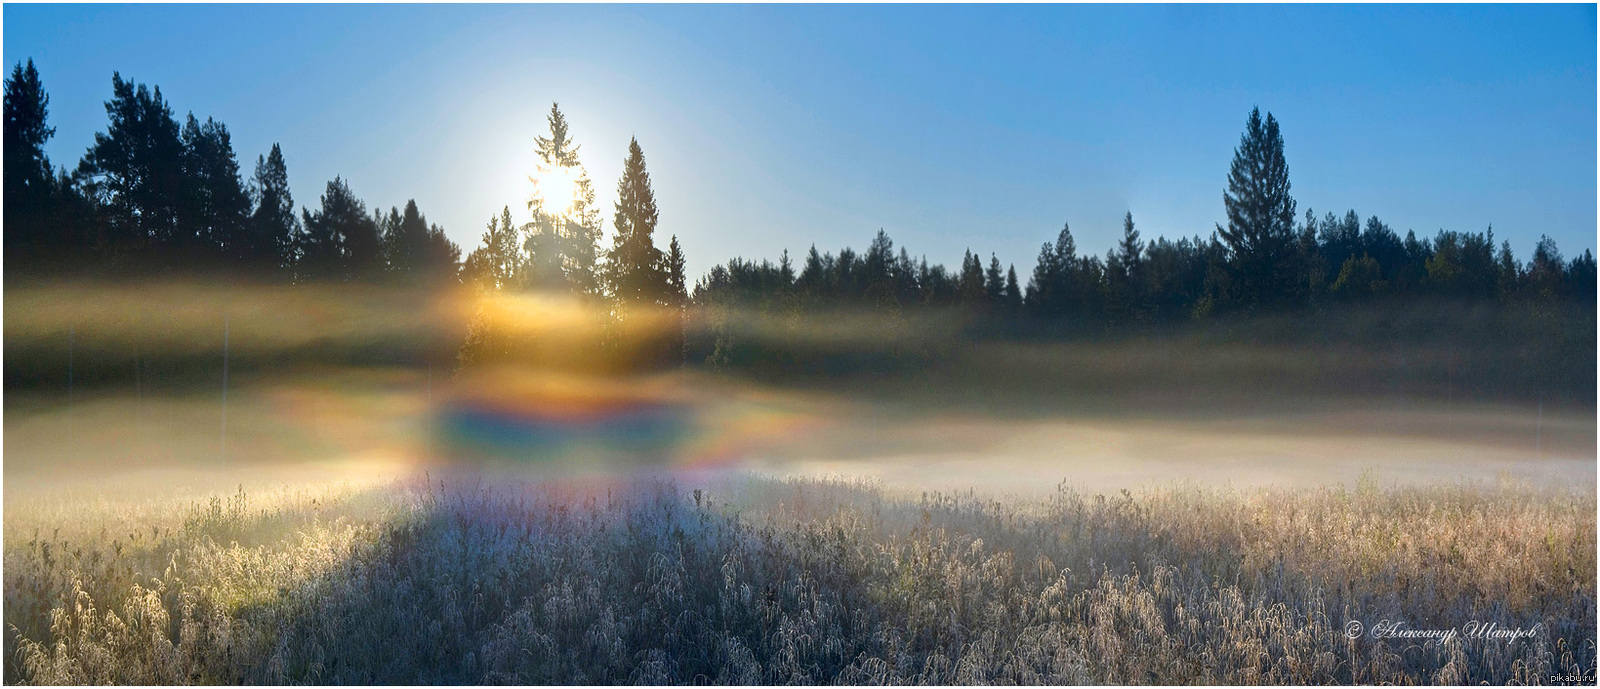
(360, 424)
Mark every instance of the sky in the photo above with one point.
(772, 127)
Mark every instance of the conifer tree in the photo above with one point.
(273, 225)
(994, 281)
(493, 265)
(216, 206)
(1260, 231)
(134, 171)
(1012, 297)
(633, 271)
(563, 241)
(339, 241)
(29, 180)
(677, 291)
(973, 292)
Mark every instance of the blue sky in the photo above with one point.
(954, 126)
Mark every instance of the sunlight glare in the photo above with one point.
(555, 189)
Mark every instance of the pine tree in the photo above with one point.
(1508, 271)
(677, 292)
(493, 265)
(633, 272)
(563, 244)
(217, 205)
(813, 275)
(1260, 230)
(273, 225)
(1011, 299)
(340, 241)
(415, 251)
(1049, 290)
(134, 171)
(786, 270)
(973, 291)
(994, 281)
(29, 181)
(1130, 250)
(1125, 273)
(1547, 270)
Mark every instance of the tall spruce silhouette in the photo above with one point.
(29, 180)
(273, 224)
(216, 205)
(635, 270)
(1261, 212)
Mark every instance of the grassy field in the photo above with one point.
(751, 581)
(1216, 503)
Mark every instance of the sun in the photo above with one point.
(555, 189)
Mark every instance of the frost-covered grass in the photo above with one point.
(753, 581)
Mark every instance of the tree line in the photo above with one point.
(151, 196)
(1266, 257)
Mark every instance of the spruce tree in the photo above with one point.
(1125, 273)
(1012, 297)
(678, 295)
(273, 225)
(340, 241)
(677, 291)
(994, 281)
(1260, 231)
(493, 265)
(973, 291)
(633, 272)
(29, 181)
(563, 244)
(216, 206)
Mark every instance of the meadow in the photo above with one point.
(759, 581)
(1199, 507)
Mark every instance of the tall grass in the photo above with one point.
(754, 581)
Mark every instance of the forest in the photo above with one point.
(156, 198)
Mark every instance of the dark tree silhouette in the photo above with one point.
(1547, 270)
(30, 184)
(973, 291)
(1011, 298)
(273, 225)
(1125, 274)
(634, 272)
(134, 172)
(1462, 264)
(1581, 278)
(216, 205)
(677, 290)
(1057, 288)
(994, 282)
(877, 270)
(416, 252)
(339, 241)
(1261, 213)
(1509, 273)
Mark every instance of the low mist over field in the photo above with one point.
(323, 383)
